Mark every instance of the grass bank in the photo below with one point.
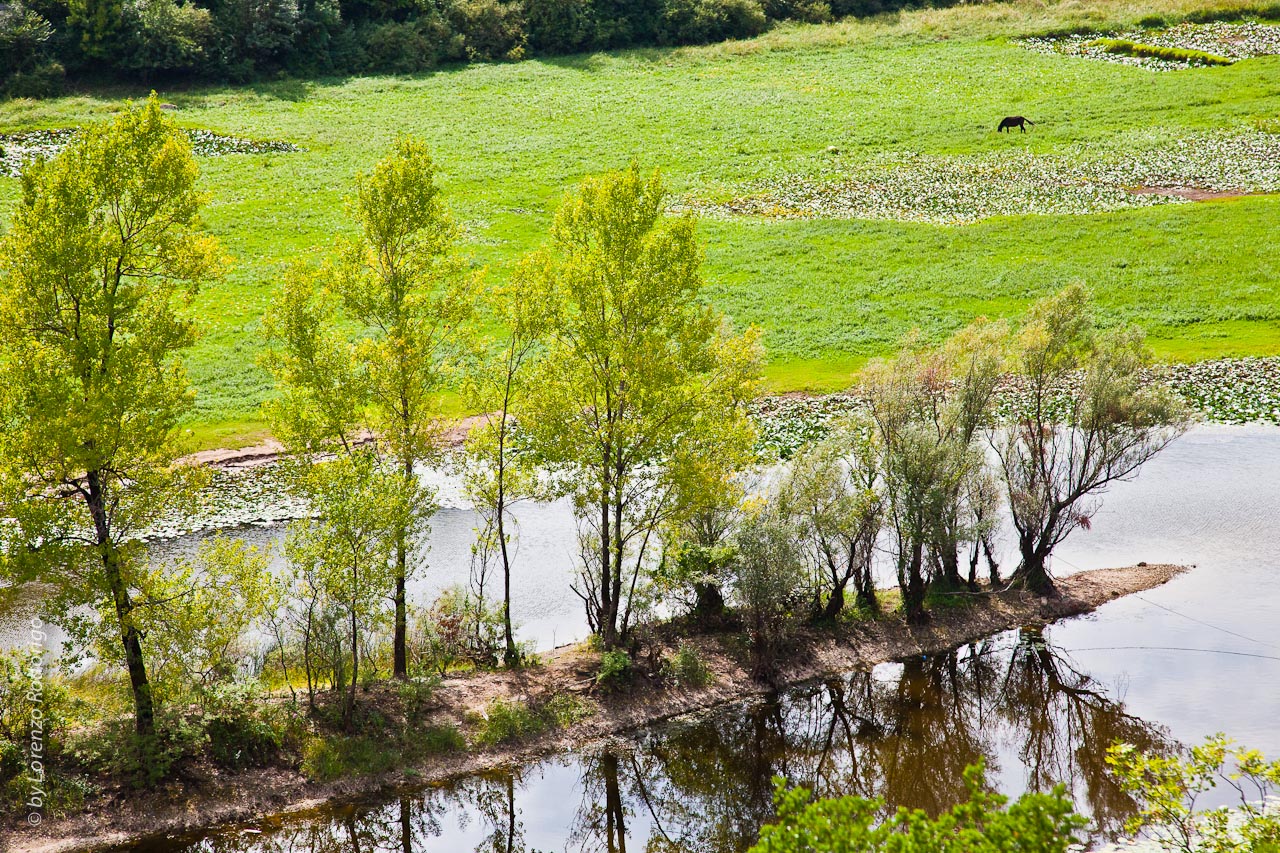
(473, 722)
(513, 138)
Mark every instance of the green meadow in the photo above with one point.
(511, 139)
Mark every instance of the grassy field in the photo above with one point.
(512, 139)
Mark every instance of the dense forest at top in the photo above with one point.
(42, 41)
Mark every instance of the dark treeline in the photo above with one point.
(42, 42)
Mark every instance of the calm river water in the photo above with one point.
(1197, 656)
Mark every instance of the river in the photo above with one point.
(1196, 656)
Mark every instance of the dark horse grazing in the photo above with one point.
(1010, 122)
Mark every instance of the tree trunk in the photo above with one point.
(349, 716)
(913, 600)
(614, 813)
(835, 603)
(511, 813)
(1032, 574)
(130, 638)
(993, 568)
(865, 590)
(950, 558)
(400, 650)
(511, 655)
(607, 625)
(615, 596)
(400, 643)
(709, 602)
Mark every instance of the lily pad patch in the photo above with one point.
(18, 149)
(956, 190)
(1181, 46)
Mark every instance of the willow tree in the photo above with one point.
(929, 408)
(104, 248)
(832, 493)
(639, 398)
(1087, 416)
(400, 283)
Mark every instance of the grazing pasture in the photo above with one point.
(800, 106)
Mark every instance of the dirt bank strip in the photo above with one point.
(251, 796)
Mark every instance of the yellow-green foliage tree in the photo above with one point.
(350, 547)
(104, 248)
(640, 396)
(372, 341)
(984, 823)
(1169, 788)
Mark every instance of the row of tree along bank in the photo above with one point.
(606, 378)
(480, 722)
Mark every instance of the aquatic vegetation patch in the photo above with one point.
(1169, 49)
(20, 148)
(1125, 47)
(258, 496)
(960, 189)
(1224, 391)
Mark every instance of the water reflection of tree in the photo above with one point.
(903, 733)
(905, 737)
(1066, 722)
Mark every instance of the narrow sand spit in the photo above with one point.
(119, 816)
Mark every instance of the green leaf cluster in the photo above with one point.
(984, 823)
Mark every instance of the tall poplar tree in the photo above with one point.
(402, 288)
(640, 397)
(104, 248)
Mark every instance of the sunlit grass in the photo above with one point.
(512, 139)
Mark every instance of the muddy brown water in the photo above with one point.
(1172, 665)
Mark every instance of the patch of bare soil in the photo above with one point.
(222, 799)
(1189, 193)
(270, 450)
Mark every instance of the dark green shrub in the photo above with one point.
(622, 23)
(808, 11)
(615, 670)
(507, 720)
(256, 36)
(148, 760)
(695, 576)
(455, 632)
(408, 47)
(47, 80)
(560, 26)
(434, 740)
(1209, 14)
(985, 823)
(768, 584)
(1153, 22)
(94, 27)
(416, 697)
(164, 35)
(243, 739)
(706, 21)
(491, 29)
(24, 38)
(327, 758)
